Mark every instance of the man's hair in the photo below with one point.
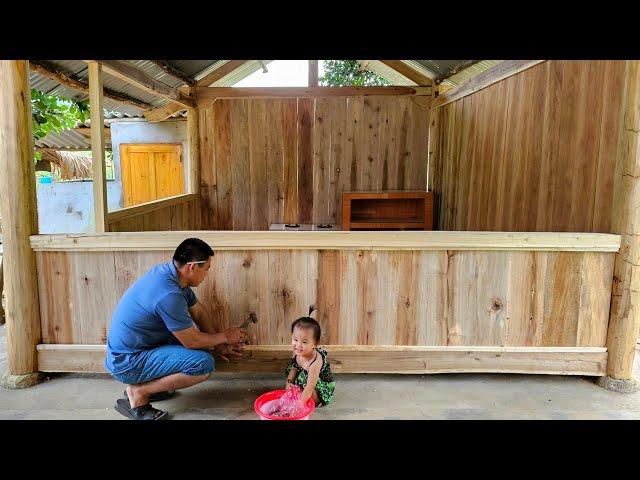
(308, 323)
(192, 250)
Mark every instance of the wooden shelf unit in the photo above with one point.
(387, 210)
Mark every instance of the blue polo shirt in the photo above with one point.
(147, 314)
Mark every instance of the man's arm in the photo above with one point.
(202, 318)
(193, 338)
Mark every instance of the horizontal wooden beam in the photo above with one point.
(372, 359)
(162, 113)
(147, 207)
(174, 72)
(336, 240)
(493, 75)
(48, 70)
(139, 79)
(408, 72)
(220, 72)
(86, 132)
(207, 95)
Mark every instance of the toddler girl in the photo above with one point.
(309, 367)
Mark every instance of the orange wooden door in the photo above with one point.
(151, 172)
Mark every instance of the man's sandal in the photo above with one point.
(157, 397)
(143, 412)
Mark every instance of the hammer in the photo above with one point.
(252, 319)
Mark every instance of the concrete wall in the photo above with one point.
(67, 207)
(172, 131)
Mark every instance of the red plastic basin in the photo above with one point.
(275, 395)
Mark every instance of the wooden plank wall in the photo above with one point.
(280, 160)
(365, 297)
(533, 152)
(185, 216)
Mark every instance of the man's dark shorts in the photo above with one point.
(163, 361)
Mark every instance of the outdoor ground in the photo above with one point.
(231, 396)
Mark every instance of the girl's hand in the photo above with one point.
(289, 386)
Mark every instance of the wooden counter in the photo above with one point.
(405, 302)
(335, 240)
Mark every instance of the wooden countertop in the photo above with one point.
(335, 240)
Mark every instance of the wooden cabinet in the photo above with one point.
(390, 210)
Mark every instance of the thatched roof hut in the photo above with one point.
(68, 165)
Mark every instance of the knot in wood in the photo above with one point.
(496, 304)
(246, 263)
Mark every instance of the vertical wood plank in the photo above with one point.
(240, 164)
(55, 307)
(208, 193)
(222, 146)
(258, 165)
(275, 162)
(290, 157)
(305, 159)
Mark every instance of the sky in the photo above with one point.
(282, 73)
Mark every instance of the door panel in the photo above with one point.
(151, 172)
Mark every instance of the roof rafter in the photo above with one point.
(408, 72)
(139, 79)
(174, 72)
(218, 73)
(49, 70)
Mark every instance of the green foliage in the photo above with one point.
(347, 73)
(52, 113)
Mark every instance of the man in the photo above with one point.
(159, 333)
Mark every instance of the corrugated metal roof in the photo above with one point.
(197, 69)
(78, 70)
(156, 72)
(440, 69)
(468, 73)
(67, 139)
(379, 68)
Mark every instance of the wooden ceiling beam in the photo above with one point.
(220, 72)
(162, 113)
(206, 95)
(49, 70)
(174, 72)
(409, 72)
(139, 79)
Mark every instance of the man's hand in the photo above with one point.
(228, 350)
(236, 335)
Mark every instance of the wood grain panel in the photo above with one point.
(532, 152)
(364, 297)
(288, 159)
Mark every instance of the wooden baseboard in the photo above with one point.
(589, 361)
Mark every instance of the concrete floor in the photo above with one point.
(230, 396)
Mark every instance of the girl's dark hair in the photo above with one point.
(308, 322)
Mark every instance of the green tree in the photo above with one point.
(348, 73)
(52, 113)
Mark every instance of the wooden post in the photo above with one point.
(624, 317)
(19, 212)
(194, 151)
(96, 102)
(313, 73)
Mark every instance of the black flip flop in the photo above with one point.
(143, 412)
(157, 397)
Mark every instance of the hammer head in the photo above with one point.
(252, 319)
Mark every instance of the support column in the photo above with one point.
(96, 102)
(19, 212)
(194, 151)
(624, 318)
(313, 73)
